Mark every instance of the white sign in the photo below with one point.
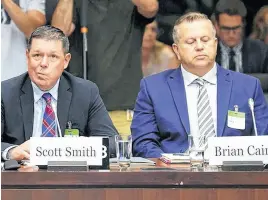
(44, 149)
(237, 148)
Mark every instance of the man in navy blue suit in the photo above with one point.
(198, 98)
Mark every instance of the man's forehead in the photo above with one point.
(192, 25)
(46, 44)
(190, 28)
(230, 19)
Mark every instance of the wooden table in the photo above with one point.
(136, 184)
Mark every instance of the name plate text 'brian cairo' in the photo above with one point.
(237, 148)
(89, 149)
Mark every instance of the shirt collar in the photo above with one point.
(210, 77)
(39, 93)
(227, 49)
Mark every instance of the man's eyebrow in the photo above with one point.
(231, 27)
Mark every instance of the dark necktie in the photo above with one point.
(231, 60)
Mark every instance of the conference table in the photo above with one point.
(159, 182)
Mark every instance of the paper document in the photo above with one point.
(137, 160)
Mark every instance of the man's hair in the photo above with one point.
(189, 18)
(259, 18)
(49, 33)
(230, 7)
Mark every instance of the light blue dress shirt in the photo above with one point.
(40, 105)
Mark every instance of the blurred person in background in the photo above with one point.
(156, 56)
(115, 31)
(19, 18)
(234, 51)
(260, 25)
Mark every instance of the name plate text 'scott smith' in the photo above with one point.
(89, 149)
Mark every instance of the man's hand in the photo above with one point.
(21, 152)
(63, 16)
(147, 8)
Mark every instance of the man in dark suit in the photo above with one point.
(29, 101)
(234, 52)
(195, 98)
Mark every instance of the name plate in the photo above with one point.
(237, 148)
(89, 149)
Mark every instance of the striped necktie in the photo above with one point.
(49, 122)
(205, 120)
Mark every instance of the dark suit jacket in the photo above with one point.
(254, 56)
(78, 101)
(161, 121)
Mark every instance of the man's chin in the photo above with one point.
(202, 64)
(231, 44)
(42, 85)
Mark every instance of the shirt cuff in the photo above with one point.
(5, 152)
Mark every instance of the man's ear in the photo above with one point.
(27, 56)
(67, 59)
(176, 50)
(27, 53)
(217, 27)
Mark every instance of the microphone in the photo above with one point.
(251, 106)
(57, 120)
(84, 8)
(84, 31)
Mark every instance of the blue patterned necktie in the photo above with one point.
(49, 122)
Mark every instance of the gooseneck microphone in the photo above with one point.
(251, 106)
(84, 31)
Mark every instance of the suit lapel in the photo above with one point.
(245, 58)
(176, 85)
(218, 56)
(63, 104)
(27, 107)
(224, 86)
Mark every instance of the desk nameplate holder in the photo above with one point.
(242, 166)
(67, 166)
(58, 162)
(238, 152)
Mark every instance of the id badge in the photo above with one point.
(71, 133)
(236, 120)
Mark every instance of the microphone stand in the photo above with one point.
(251, 106)
(84, 31)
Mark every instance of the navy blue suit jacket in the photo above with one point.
(161, 121)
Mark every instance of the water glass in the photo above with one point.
(123, 150)
(196, 150)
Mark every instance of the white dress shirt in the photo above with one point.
(13, 41)
(225, 51)
(192, 91)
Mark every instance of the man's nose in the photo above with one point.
(232, 33)
(199, 45)
(44, 61)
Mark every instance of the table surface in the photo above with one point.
(174, 176)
